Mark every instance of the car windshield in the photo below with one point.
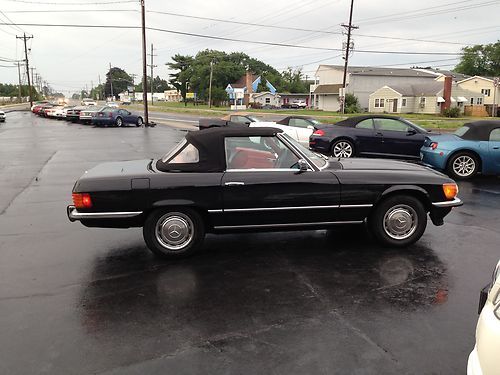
(314, 121)
(253, 118)
(319, 160)
(461, 131)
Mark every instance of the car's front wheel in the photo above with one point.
(119, 121)
(398, 221)
(174, 233)
(342, 149)
(463, 165)
(139, 121)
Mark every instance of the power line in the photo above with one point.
(72, 3)
(229, 39)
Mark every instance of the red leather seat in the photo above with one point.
(247, 158)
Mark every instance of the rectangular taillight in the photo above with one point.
(319, 132)
(433, 145)
(82, 200)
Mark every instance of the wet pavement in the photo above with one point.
(75, 300)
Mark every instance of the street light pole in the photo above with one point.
(144, 66)
(210, 84)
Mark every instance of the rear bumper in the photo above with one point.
(74, 214)
(434, 158)
(102, 121)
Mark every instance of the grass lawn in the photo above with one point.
(425, 120)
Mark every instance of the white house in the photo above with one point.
(266, 99)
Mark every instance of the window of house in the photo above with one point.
(471, 101)
(479, 101)
(268, 100)
(403, 102)
(422, 101)
(379, 103)
(486, 92)
(495, 135)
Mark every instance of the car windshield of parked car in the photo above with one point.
(460, 132)
(319, 160)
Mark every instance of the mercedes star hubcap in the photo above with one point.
(174, 231)
(400, 222)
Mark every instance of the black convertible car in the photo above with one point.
(369, 135)
(239, 178)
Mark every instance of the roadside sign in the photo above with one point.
(190, 95)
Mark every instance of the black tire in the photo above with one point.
(140, 122)
(462, 166)
(342, 148)
(163, 241)
(119, 122)
(398, 221)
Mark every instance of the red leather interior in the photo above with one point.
(245, 158)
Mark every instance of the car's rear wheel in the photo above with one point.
(174, 233)
(463, 165)
(342, 149)
(398, 221)
(119, 121)
(139, 121)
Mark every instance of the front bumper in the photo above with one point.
(453, 203)
(74, 214)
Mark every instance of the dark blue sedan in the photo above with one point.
(370, 135)
(116, 117)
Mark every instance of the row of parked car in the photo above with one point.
(107, 115)
(474, 148)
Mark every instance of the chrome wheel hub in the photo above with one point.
(174, 231)
(464, 166)
(342, 150)
(400, 222)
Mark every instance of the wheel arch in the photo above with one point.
(181, 203)
(412, 190)
(468, 151)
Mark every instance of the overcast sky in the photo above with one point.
(70, 58)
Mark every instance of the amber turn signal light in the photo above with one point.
(450, 190)
(82, 200)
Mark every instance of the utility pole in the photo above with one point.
(144, 66)
(348, 46)
(152, 79)
(111, 80)
(19, 75)
(24, 37)
(210, 84)
(32, 79)
(100, 88)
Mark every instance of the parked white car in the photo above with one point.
(2, 116)
(484, 359)
(298, 127)
(112, 104)
(88, 102)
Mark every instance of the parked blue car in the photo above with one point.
(116, 117)
(473, 148)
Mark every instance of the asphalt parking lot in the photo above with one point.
(75, 300)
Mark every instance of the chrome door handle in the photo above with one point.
(234, 183)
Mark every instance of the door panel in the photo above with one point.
(396, 138)
(275, 197)
(494, 151)
(368, 141)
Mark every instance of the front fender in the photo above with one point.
(412, 189)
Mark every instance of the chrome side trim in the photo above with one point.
(454, 203)
(287, 225)
(277, 208)
(215, 211)
(73, 214)
(263, 170)
(355, 205)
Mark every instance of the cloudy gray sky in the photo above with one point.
(70, 58)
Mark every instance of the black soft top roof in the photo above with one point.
(480, 130)
(210, 145)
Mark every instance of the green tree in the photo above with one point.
(121, 80)
(352, 104)
(292, 81)
(180, 79)
(481, 60)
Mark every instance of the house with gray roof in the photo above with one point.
(425, 97)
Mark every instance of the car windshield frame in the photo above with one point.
(460, 134)
(317, 159)
(422, 130)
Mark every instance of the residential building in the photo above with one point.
(418, 98)
(240, 91)
(326, 97)
(486, 92)
(363, 81)
(172, 96)
(266, 99)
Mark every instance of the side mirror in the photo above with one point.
(303, 166)
(411, 132)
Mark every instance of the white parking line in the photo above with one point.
(173, 119)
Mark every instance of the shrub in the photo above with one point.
(352, 104)
(452, 112)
